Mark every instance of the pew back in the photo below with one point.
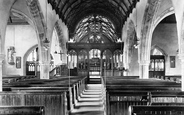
(22, 110)
(156, 110)
(54, 102)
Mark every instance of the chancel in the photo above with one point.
(92, 57)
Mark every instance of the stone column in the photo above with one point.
(182, 74)
(44, 70)
(64, 58)
(144, 69)
(181, 56)
(2, 56)
(44, 63)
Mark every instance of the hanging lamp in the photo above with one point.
(46, 41)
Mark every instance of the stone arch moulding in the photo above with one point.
(181, 39)
(130, 40)
(146, 30)
(160, 49)
(163, 15)
(146, 35)
(60, 35)
(38, 18)
(22, 15)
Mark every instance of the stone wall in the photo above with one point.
(22, 37)
(165, 37)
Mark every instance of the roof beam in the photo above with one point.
(70, 6)
(119, 5)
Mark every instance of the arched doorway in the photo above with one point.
(94, 62)
(33, 65)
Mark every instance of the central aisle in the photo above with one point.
(90, 102)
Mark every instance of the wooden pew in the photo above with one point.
(156, 110)
(167, 98)
(76, 83)
(121, 77)
(9, 79)
(22, 110)
(122, 93)
(53, 101)
(173, 78)
(52, 86)
(69, 93)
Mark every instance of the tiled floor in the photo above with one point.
(90, 101)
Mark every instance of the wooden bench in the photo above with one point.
(53, 101)
(71, 89)
(173, 78)
(10, 79)
(156, 110)
(122, 93)
(76, 83)
(22, 110)
(121, 77)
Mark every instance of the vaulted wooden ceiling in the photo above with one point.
(73, 11)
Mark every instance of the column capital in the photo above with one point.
(144, 62)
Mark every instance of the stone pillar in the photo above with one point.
(182, 71)
(182, 74)
(44, 70)
(144, 69)
(44, 63)
(2, 56)
(64, 58)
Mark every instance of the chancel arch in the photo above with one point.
(96, 34)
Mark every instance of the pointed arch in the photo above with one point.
(147, 29)
(159, 49)
(38, 18)
(26, 56)
(60, 35)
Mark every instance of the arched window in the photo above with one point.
(157, 63)
(157, 51)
